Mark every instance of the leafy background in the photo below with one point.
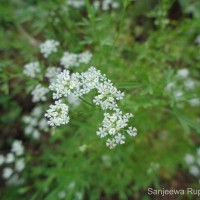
(139, 46)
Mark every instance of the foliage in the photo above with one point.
(140, 46)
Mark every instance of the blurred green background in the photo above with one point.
(141, 46)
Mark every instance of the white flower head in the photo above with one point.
(65, 84)
(57, 114)
(36, 134)
(36, 112)
(178, 95)
(43, 125)
(85, 57)
(72, 185)
(69, 60)
(32, 69)
(194, 170)
(39, 93)
(120, 139)
(48, 47)
(132, 131)
(76, 3)
(183, 73)
(17, 148)
(62, 194)
(7, 172)
(78, 84)
(189, 159)
(189, 84)
(111, 143)
(195, 102)
(52, 73)
(20, 165)
(10, 158)
(15, 180)
(170, 86)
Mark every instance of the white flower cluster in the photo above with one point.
(32, 69)
(112, 125)
(35, 123)
(78, 84)
(57, 114)
(39, 93)
(63, 193)
(13, 163)
(182, 84)
(193, 162)
(106, 4)
(69, 60)
(76, 3)
(52, 72)
(48, 47)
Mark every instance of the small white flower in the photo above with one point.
(132, 131)
(96, 4)
(10, 158)
(101, 132)
(20, 165)
(48, 47)
(62, 194)
(189, 84)
(82, 148)
(76, 3)
(170, 86)
(189, 159)
(36, 134)
(36, 112)
(26, 119)
(17, 148)
(85, 57)
(194, 170)
(194, 102)
(65, 84)
(2, 159)
(79, 195)
(115, 5)
(183, 73)
(28, 130)
(57, 114)
(69, 60)
(72, 185)
(52, 73)
(39, 93)
(15, 180)
(119, 139)
(178, 95)
(32, 69)
(111, 143)
(7, 172)
(43, 125)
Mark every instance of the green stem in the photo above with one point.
(86, 102)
